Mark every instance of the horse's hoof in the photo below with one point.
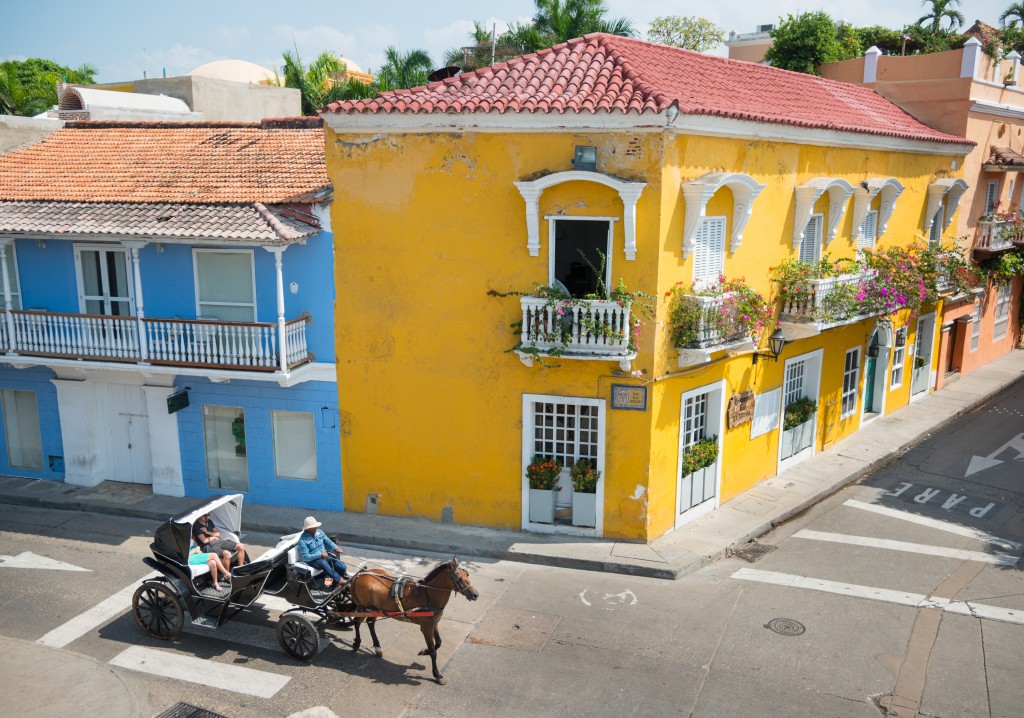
(378, 652)
(441, 681)
(424, 652)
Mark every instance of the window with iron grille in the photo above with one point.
(851, 371)
(976, 328)
(1002, 314)
(566, 430)
(794, 382)
(898, 355)
(709, 251)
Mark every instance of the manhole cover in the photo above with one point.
(187, 710)
(753, 551)
(785, 626)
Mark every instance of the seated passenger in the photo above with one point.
(196, 557)
(207, 535)
(313, 550)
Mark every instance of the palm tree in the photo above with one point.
(402, 71)
(940, 10)
(1013, 15)
(561, 20)
(316, 82)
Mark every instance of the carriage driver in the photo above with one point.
(316, 550)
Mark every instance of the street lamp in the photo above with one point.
(776, 343)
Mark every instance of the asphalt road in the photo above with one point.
(900, 594)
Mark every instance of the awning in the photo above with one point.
(1003, 159)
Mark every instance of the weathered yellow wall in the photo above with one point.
(427, 224)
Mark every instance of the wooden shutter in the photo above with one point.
(868, 231)
(709, 251)
(810, 245)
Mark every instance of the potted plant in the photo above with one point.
(584, 493)
(700, 455)
(542, 473)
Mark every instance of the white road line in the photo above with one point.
(26, 559)
(933, 523)
(238, 679)
(100, 613)
(893, 545)
(902, 598)
(274, 603)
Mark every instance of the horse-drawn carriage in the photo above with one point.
(161, 603)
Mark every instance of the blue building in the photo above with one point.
(168, 310)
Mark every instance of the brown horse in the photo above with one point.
(371, 590)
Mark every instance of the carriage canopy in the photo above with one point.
(173, 538)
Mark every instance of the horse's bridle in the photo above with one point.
(461, 585)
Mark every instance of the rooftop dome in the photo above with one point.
(350, 65)
(235, 71)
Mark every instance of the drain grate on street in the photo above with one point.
(785, 626)
(187, 710)
(752, 551)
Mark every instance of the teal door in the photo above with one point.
(869, 375)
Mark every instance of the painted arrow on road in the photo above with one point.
(30, 560)
(980, 463)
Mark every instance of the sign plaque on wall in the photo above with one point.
(629, 396)
(741, 408)
(177, 401)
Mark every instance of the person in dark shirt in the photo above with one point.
(207, 536)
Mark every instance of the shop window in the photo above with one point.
(294, 445)
(21, 424)
(226, 463)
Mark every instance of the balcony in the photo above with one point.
(172, 342)
(998, 236)
(578, 329)
(826, 303)
(713, 332)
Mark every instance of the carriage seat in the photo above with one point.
(270, 559)
(294, 562)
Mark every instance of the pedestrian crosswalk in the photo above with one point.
(1007, 555)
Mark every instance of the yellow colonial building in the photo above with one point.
(501, 233)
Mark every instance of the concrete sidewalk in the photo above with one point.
(677, 554)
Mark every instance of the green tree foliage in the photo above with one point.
(478, 53)
(939, 10)
(404, 70)
(315, 82)
(29, 87)
(1013, 15)
(802, 42)
(690, 33)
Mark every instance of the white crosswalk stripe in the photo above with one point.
(237, 679)
(903, 598)
(95, 616)
(933, 523)
(956, 553)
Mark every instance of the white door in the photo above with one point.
(802, 379)
(920, 378)
(127, 457)
(701, 417)
(104, 282)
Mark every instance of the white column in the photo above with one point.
(969, 61)
(1014, 58)
(871, 56)
(630, 196)
(134, 246)
(8, 305)
(531, 195)
(282, 354)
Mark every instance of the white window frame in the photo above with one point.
(528, 452)
(991, 195)
(274, 414)
(819, 222)
(851, 384)
(1001, 316)
(14, 430)
(714, 425)
(976, 327)
(607, 249)
(809, 385)
(129, 274)
(14, 277)
(196, 251)
(899, 360)
(701, 243)
(863, 240)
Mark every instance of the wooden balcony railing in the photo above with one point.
(180, 342)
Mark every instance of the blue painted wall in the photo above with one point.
(36, 379)
(258, 400)
(48, 280)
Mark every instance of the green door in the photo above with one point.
(869, 375)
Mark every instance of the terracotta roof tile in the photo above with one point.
(607, 73)
(243, 222)
(196, 163)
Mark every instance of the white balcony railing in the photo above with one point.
(182, 342)
(589, 329)
(711, 333)
(827, 302)
(997, 236)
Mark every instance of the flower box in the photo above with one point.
(584, 509)
(542, 506)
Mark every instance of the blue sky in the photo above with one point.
(122, 39)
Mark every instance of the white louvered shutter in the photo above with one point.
(935, 234)
(868, 231)
(810, 245)
(709, 251)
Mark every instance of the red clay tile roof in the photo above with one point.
(243, 222)
(607, 73)
(196, 163)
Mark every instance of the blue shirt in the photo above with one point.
(311, 547)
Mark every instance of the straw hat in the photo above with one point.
(310, 523)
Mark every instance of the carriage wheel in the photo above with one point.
(158, 610)
(298, 636)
